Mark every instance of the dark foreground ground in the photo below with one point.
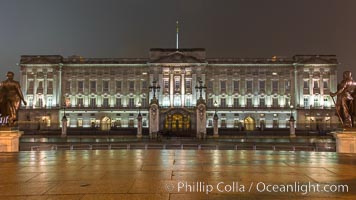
(177, 174)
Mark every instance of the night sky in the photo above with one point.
(129, 28)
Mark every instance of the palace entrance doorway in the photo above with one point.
(177, 122)
(105, 124)
(249, 124)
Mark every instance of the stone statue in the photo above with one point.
(346, 100)
(10, 98)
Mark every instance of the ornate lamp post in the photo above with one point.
(154, 87)
(64, 122)
(199, 87)
(291, 122)
(216, 118)
(139, 121)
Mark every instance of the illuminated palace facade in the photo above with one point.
(246, 94)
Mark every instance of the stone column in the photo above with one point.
(139, 125)
(291, 126)
(182, 90)
(58, 83)
(64, 126)
(216, 129)
(171, 89)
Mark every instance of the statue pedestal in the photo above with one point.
(345, 141)
(9, 140)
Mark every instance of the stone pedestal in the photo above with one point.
(201, 119)
(345, 141)
(139, 126)
(154, 118)
(291, 127)
(9, 140)
(64, 127)
(216, 129)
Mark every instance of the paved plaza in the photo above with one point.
(177, 174)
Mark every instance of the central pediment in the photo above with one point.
(192, 55)
(177, 57)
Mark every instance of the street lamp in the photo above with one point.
(215, 106)
(291, 112)
(154, 87)
(64, 122)
(200, 88)
(139, 108)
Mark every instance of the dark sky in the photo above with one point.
(226, 28)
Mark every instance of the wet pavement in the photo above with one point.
(177, 174)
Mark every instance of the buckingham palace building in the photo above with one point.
(246, 94)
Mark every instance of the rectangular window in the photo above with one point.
(275, 102)
(223, 103)
(223, 123)
(49, 100)
(92, 102)
(68, 84)
(210, 85)
(249, 86)
(262, 102)
(210, 103)
(236, 123)
(236, 102)
(176, 85)
(30, 101)
(50, 87)
(249, 103)
(306, 102)
(105, 86)
(210, 122)
(80, 122)
(236, 86)
(144, 85)
(188, 84)
(325, 84)
(118, 86)
(316, 84)
(166, 84)
(316, 102)
(31, 84)
(81, 86)
(92, 86)
(187, 102)
(262, 85)
(143, 102)
(80, 102)
(40, 102)
(131, 123)
(275, 86)
(131, 86)
(131, 103)
(106, 102)
(306, 84)
(223, 86)
(118, 102)
(275, 123)
(40, 87)
(30, 87)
